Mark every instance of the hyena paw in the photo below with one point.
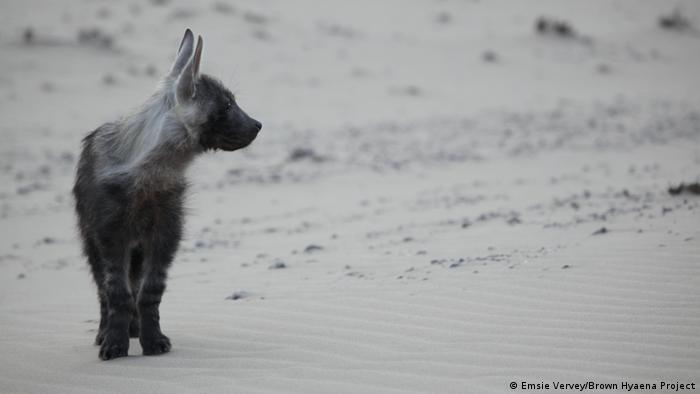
(156, 344)
(100, 337)
(113, 346)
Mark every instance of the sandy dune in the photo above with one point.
(441, 199)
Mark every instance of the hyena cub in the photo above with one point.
(129, 194)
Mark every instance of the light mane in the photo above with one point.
(154, 131)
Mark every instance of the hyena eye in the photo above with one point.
(229, 105)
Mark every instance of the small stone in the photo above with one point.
(489, 57)
(151, 70)
(443, 18)
(514, 220)
(109, 79)
(313, 248)
(603, 69)
(238, 295)
(279, 264)
(28, 36)
(600, 231)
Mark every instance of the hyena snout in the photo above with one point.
(243, 134)
(252, 130)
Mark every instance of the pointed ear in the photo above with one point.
(183, 53)
(186, 84)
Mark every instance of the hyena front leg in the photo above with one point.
(120, 303)
(161, 255)
(104, 318)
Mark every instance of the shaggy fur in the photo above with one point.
(129, 193)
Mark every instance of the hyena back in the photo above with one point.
(129, 194)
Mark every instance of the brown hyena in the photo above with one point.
(129, 193)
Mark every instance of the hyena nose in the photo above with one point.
(257, 125)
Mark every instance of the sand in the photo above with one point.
(441, 199)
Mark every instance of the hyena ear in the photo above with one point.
(183, 53)
(186, 84)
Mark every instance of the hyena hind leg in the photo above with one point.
(135, 280)
(95, 260)
(120, 303)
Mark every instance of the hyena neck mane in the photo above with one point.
(152, 145)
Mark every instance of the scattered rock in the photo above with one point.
(443, 18)
(553, 27)
(355, 274)
(95, 37)
(313, 248)
(513, 220)
(600, 231)
(298, 154)
(409, 90)
(489, 57)
(28, 36)
(151, 70)
(109, 79)
(457, 263)
(565, 266)
(603, 69)
(675, 21)
(21, 276)
(690, 188)
(103, 13)
(255, 18)
(279, 264)
(47, 87)
(337, 30)
(183, 13)
(239, 295)
(223, 8)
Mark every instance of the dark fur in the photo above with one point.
(131, 216)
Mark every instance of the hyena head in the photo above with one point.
(207, 109)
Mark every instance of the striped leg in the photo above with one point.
(95, 261)
(119, 303)
(161, 255)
